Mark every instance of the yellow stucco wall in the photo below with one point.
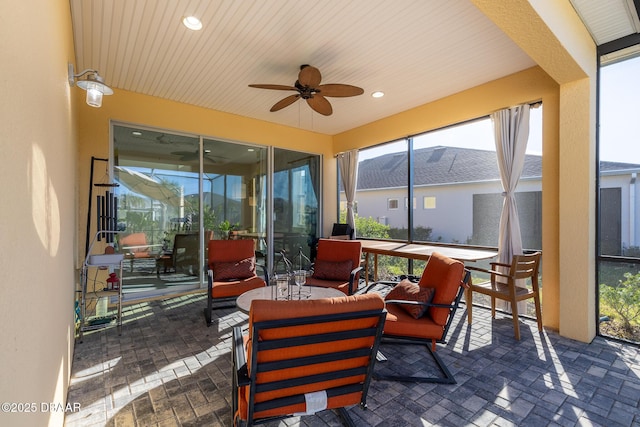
(38, 208)
(552, 34)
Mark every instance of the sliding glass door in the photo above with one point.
(176, 192)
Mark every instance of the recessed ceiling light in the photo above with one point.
(250, 149)
(192, 23)
(207, 151)
(377, 94)
(136, 133)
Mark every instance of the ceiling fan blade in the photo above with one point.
(320, 104)
(339, 90)
(275, 87)
(309, 76)
(285, 102)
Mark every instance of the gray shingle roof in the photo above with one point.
(447, 165)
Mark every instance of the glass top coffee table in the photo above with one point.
(267, 292)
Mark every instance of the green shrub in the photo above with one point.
(624, 299)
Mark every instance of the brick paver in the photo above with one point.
(169, 369)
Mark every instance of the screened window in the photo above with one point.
(618, 276)
(457, 166)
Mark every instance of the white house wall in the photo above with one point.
(452, 218)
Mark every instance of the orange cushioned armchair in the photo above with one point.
(337, 265)
(302, 357)
(231, 272)
(422, 313)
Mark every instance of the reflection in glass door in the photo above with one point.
(296, 189)
(158, 211)
(177, 192)
(234, 197)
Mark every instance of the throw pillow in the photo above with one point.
(407, 291)
(242, 269)
(332, 270)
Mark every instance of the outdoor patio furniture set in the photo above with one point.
(304, 355)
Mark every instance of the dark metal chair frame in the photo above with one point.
(241, 378)
(228, 302)
(428, 343)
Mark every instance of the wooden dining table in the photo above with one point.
(416, 251)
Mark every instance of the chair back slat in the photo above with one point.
(299, 399)
(525, 266)
(314, 379)
(332, 357)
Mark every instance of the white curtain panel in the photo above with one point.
(348, 164)
(511, 132)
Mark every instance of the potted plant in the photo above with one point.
(226, 227)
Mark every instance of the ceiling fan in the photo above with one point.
(308, 87)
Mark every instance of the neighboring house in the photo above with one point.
(457, 193)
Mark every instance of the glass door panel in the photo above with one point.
(234, 196)
(178, 192)
(296, 189)
(158, 210)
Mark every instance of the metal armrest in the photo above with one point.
(264, 272)
(352, 278)
(209, 280)
(239, 358)
(427, 304)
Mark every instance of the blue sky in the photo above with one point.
(477, 134)
(619, 112)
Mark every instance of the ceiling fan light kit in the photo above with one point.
(309, 88)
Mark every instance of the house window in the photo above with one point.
(392, 204)
(429, 202)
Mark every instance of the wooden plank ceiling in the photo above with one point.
(416, 51)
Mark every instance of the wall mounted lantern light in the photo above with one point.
(93, 84)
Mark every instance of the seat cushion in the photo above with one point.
(401, 323)
(407, 291)
(341, 285)
(234, 288)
